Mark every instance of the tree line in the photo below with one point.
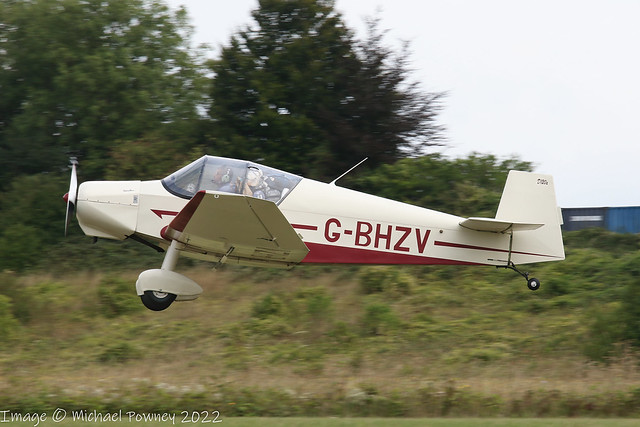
(108, 80)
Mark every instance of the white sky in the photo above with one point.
(556, 82)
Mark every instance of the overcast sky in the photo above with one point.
(556, 82)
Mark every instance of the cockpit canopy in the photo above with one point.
(231, 176)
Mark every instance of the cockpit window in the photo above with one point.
(231, 176)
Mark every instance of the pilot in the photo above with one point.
(223, 178)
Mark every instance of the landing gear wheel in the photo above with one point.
(533, 284)
(156, 300)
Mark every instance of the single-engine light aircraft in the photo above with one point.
(233, 211)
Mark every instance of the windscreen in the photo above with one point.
(231, 176)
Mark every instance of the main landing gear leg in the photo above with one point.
(532, 283)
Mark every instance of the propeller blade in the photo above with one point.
(67, 218)
(72, 195)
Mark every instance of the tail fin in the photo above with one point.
(531, 198)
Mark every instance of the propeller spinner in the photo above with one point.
(72, 195)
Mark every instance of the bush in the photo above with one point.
(270, 305)
(630, 311)
(378, 319)
(49, 302)
(117, 297)
(20, 247)
(8, 323)
(119, 352)
(391, 280)
(317, 303)
(606, 328)
(21, 305)
(372, 279)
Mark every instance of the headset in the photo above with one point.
(228, 173)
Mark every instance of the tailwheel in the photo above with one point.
(533, 284)
(156, 300)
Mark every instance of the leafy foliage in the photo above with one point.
(20, 247)
(378, 319)
(466, 186)
(29, 207)
(299, 92)
(77, 76)
(379, 279)
(8, 324)
(150, 157)
(116, 297)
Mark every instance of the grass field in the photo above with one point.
(432, 422)
(369, 422)
(408, 342)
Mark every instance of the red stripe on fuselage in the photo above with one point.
(162, 213)
(482, 248)
(305, 227)
(330, 254)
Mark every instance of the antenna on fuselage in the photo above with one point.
(352, 168)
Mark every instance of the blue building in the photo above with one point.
(617, 219)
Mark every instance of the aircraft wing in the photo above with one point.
(497, 226)
(237, 227)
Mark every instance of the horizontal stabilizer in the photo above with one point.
(497, 226)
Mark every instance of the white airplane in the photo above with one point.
(239, 212)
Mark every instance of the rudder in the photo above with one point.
(530, 198)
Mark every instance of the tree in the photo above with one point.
(297, 92)
(33, 211)
(79, 75)
(395, 116)
(466, 186)
(151, 157)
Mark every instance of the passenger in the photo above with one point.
(254, 185)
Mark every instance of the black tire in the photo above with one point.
(533, 284)
(157, 301)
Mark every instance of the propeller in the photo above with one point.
(72, 195)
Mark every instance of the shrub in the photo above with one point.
(378, 319)
(8, 323)
(117, 297)
(20, 247)
(606, 328)
(630, 311)
(317, 303)
(386, 279)
(49, 302)
(372, 279)
(21, 304)
(269, 305)
(118, 352)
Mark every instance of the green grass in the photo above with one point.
(327, 341)
(431, 422)
(373, 422)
